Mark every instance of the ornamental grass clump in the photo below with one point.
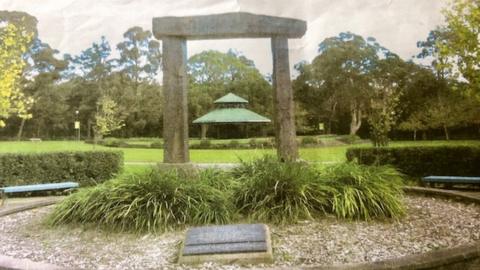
(364, 192)
(277, 192)
(150, 201)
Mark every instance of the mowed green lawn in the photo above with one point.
(156, 155)
(320, 154)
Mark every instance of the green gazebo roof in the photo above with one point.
(231, 115)
(230, 98)
(231, 110)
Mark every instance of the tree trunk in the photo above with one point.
(89, 129)
(356, 121)
(445, 129)
(414, 134)
(20, 130)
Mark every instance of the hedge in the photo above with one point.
(422, 160)
(86, 168)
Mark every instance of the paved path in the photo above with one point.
(14, 204)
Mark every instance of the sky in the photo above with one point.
(72, 25)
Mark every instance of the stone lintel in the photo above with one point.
(228, 25)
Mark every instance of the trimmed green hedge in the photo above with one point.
(422, 160)
(86, 168)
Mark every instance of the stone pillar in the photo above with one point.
(284, 114)
(175, 115)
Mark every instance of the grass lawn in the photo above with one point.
(320, 154)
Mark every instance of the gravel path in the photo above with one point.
(431, 224)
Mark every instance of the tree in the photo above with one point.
(387, 85)
(88, 72)
(414, 123)
(431, 51)
(106, 118)
(449, 109)
(340, 74)
(318, 100)
(14, 42)
(140, 55)
(39, 77)
(462, 44)
(92, 64)
(137, 67)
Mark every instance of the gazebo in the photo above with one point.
(230, 109)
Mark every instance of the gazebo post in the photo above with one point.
(204, 128)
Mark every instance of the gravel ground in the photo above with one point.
(430, 224)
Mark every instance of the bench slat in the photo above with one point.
(452, 179)
(39, 187)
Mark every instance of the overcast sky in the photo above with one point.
(72, 25)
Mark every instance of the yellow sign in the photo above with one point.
(77, 124)
(321, 126)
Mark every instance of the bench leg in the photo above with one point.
(4, 197)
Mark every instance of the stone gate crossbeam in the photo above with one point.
(175, 31)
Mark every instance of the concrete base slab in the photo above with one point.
(229, 244)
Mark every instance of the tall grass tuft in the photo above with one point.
(153, 201)
(279, 192)
(365, 192)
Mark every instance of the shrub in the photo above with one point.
(349, 139)
(253, 143)
(278, 192)
(309, 141)
(204, 144)
(153, 201)
(423, 160)
(86, 168)
(234, 144)
(364, 192)
(270, 142)
(113, 142)
(156, 144)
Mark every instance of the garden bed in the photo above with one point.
(426, 227)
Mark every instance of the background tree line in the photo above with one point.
(353, 86)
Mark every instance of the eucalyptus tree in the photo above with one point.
(40, 78)
(88, 72)
(136, 69)
(342, 74)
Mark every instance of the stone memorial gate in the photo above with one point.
(174, 33)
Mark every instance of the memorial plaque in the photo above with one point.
(243, 243)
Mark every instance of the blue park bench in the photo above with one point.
(450, 180)
(38, 187)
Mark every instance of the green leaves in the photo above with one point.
(151, 201)
(278, 192)
(461, 46)
(364, 192)
(262, 190)
(87, 168)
